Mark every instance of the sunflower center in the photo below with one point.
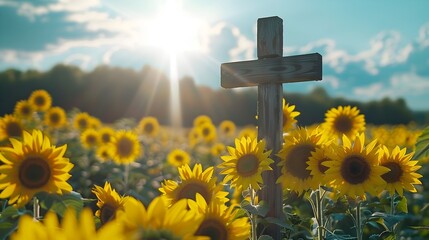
(14, 129)
(190, 190)
(107, 213)
(54, 117)
(83, 123)
(26, 110)
(91, 140)
(148, 128)
(247, 165)
(34, 172)
(206, 131)
(296, 160)
(322, 168)
(227, 129)
(212, 228)
(125, 147)
(179, 158)
(40, 101)
(355, 169)
(395, 173)
(343, 124)
(105, 138)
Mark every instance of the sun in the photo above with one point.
(174, 30)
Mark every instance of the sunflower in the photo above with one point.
(354, 168)
(55, 117)
(23, 109)
(149, 126)
(10, 126)
(221, 222)
(227, 128)
(402, 174)
(109, 202)
(192, 182)
(202, 119)
(40, 100)
(249, 131)
(315, 164)
(82, 121)
(71, 228)
(245, 163)
(207, 132)
(94, 122)
(125, 147)
(103, 153)
(194, 137)
(159, 221)
(106, 134)
(33, 166)
(289, 116)
(90, 138)
(217, 149)
(295, 154)
(178, 157)
(344, 120)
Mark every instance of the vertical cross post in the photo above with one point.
(269, 72)
(270, 117)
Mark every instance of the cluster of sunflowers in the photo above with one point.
(169, 178)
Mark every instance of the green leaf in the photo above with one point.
(10, 211)
(402, 206)
(278, 222)
(265, 237)
(261, 209)
(59, 203)
(422, 145)
(6, 228)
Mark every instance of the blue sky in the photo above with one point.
(371, 49)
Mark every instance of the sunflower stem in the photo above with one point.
(126, 176)
(358, 221)
(320, 217)
(392, 204)
(36, 208)
(253, 216)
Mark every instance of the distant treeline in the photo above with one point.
(112, 93)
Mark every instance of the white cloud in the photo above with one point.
(332, 80)
(82, 60)
(399, 85)
(423, 38)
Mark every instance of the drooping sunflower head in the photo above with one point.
(299, 146)
(289, 116)
(32, 166)
(125, 147)
(10, 126)
(90, 138)
(192, 182)
(344, 120)
(106, 134)
(159, 220)
(149, 126)
(178, 158)
(23, 109)
(402, 172)
(354, 168)
(55, 117)
(221, 222)
(82, 121)
(109, 202)
(208, 132)
(202, 119)
(41, 100)
(227, 128)
(245, 163)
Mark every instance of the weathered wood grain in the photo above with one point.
(289, 69)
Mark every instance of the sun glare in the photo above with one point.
(174, 30)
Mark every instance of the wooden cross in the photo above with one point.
(269, 72)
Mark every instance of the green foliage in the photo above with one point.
(422, 145)
(60, 203)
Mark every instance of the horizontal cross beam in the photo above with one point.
(307, 67)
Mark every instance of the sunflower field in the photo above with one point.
(68, 175)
